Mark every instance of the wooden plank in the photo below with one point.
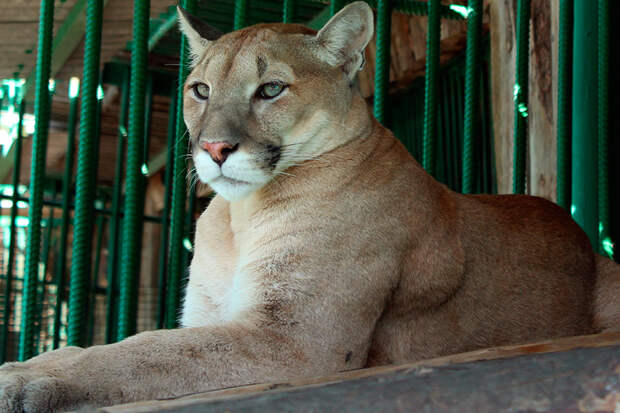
(543, 97)
(541, 161)
(503, 55)
(570, 374)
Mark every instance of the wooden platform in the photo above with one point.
(578, 374)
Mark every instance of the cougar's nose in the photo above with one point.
(219, 151)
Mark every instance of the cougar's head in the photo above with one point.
(270, 96)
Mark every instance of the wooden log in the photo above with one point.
(570, 374)
(543, 97)
(541, 163)
(503, 55)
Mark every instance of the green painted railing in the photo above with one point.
(86, 176)
(430, 102)
(116, 224)
(179, 190)
(585, 119)
(565, 57)
(604, 242)
(67, 182)
(521, 90)
(134, 181)
(37, 172)
(472, 92)
(382, 66)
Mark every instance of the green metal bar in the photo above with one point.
(459, 82)
(134, 198)
(450, 127)
(472, 92)
(455, 138)
(564, 102)
(99, 225)
(440, 169)
(448, 133)
(240, 14)
(420, 126)
(179, 192)
(85, 180)
(382, 63)
(605, 244)
(45, 253)
(432, 67)
(37, 172)
(335, 6)
(66, 209)
(148, 105)
(165, 219)
(115, 226)
(521, 95)
(288, 11)
(90, 327)
(585, 119)
(12, 236)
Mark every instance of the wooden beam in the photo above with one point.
(503, 55)
(570, 374)
(541, 154)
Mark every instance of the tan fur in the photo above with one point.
(343, 253)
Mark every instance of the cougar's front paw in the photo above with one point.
(33, 392)
(36, 386)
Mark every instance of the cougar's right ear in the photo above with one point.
(198, 33)
(344, 37)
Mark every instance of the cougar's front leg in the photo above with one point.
(324, 329)
(153, 365)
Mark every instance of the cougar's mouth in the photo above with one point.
(230, 180)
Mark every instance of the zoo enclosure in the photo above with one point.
(443, 119)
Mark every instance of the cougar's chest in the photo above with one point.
(220, 294)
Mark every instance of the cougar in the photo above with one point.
(328, 247)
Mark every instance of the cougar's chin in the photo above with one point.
(232, 189)
(235, 179)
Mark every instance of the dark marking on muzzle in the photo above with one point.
(273, 154)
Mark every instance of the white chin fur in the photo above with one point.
(235, 180)
(232, 190)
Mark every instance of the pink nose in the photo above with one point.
(219, 151)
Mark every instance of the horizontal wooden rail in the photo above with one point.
(570, 374)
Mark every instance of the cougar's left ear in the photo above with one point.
(199, 34)
(344, 37)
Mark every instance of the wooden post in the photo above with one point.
(541, 162)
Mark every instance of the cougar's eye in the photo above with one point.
(270, 90)
(201, 91)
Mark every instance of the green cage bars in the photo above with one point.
(37, 170)
(451, 133)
